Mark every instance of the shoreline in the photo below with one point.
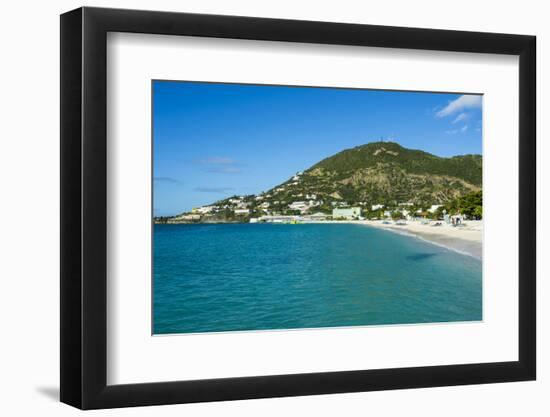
(466, 240)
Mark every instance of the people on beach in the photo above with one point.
(456, 221)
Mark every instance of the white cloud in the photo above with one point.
(462, 103)
(221, 165)
(168, 180)
(455, 131)
(461, 117)
(219, 160)
(213, 189)
(225, 170)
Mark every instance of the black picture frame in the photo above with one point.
(84, 207)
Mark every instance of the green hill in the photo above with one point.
(376, 173)
(375, 154)
(385, 173)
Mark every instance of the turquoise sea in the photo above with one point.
(226, 277)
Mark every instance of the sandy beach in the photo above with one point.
(466, 238)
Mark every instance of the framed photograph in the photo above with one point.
(257, 208)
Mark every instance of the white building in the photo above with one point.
(434, 207)
(347, 213)
(185, 217)
(241, 212)
(203, 210)
(278, 219)
(317, 216)
(298, 205)
(375, 207)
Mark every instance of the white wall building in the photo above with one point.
(347, 213)
(434, 207)
(298, 205)
(185, 217)
(203, 210)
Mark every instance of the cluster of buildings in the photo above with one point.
(351, 213)
(405, 209)
(304, 206)
(315, 217)
(278, 211)
(238, 205)
(300, 206)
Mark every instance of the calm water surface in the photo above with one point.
(211, 278)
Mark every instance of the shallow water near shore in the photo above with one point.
(236, 277)
(463, 246)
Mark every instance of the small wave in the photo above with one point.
(424, 239)
(441, 245)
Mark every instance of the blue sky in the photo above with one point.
(211, 141)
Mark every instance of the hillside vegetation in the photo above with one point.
(386, 173)
(376, 174)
